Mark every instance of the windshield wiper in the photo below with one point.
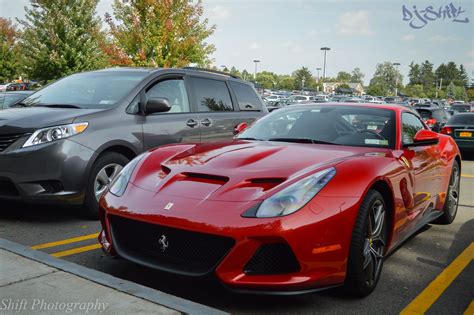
(19, 104)
(302, 140)
(249, 138)
(58, 105)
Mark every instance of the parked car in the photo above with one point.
(461, 108)
(76, 135)
(434, 117)
(241, 211)
(9, 99)
(461, 128)
(295, 99)
(392, 99)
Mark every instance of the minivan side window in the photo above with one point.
(212, 95)
(174, 91)
(246, 96)
(410, 126)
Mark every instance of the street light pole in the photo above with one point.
(325, 49)
(396, 64)
(317, 69)
(255, 72)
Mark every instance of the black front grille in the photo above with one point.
(7, 140)
(271, 259)
(187, 252)
(7, 188)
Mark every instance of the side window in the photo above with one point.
(212, 95)
(133, 108)
(410, 126)
(174, 91)
(246, 96)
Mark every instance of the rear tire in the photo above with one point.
(367, 249)
(104, 170)
(450, 207)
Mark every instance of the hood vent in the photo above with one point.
(208, 178)
(264, 183)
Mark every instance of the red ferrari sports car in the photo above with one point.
(309, 197)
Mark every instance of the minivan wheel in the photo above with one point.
(104, 170)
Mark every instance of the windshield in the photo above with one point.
(462, 119)
(87, 90)
(6, 100)
(341, 125)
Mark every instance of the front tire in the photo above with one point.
(367, 250)
(450, 208)
(104, 170)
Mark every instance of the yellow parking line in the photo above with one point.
(76, 250)
(470, 309)
(467, 175)
(434, 290)
(66, 241)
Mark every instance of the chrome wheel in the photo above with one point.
(374, 243)
(453, 192)
(105, 176)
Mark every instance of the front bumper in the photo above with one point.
(319, 239)
(52, 173)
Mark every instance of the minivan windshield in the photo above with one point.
(87, 90)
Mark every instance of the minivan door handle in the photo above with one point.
(191, 123)
(206, 122)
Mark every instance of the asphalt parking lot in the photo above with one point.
(432, 272)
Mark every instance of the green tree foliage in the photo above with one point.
(375, 89)
(9, 51)
(303, 75)
(161, 33)
(384, 78)
(343, 76)
(415, 90)
(450, 90)
(357, 76)
(427, 75)
(61, 37)
(234, 71)
(246, 75)
(286, 82)
(414, 74)
(267, 80)
(463, 77)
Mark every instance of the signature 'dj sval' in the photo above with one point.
(308, 197)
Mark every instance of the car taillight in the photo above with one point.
(446, 130)
(430, 122)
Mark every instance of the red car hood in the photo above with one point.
(235, 170)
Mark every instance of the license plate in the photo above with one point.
(465, 134)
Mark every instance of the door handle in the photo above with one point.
(192, 123)
(206, 122)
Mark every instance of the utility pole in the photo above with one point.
(317, 69)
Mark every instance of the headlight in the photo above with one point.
(120, 183)
(50, 134)
(292, 198)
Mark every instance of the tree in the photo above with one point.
(357, 76)
(442, 73)
(452, 72)
(9, 51)
(414, 74)
(234, 71)
(61, 37)
(343, 76)
(161, 33)
(266, 79)
(450, 90)
(463, 78)
(415, 90)
(246, 75)
(303, 78)
(286, 82)
(427, 75)
(385, 78)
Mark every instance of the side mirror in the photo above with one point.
(156, 105)
(425, 137)
(239, 128)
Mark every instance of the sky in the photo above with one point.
(286, 35)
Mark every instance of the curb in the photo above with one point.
(125, 286)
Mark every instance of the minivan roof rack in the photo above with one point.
(211, 71)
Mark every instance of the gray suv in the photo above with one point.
(66, 142)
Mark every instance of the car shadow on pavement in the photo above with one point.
(13, 211)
